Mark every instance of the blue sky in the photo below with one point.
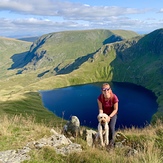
(20, 18)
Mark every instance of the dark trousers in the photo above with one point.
(112, 124)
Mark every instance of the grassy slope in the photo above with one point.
(62, 48)
(142, 65)
(125, 33)
(17, 131)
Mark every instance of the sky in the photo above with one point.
(24, 18)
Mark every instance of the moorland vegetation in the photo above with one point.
(67, 58)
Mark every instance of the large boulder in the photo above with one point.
(72, 128)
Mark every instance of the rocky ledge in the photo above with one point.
(59, 142)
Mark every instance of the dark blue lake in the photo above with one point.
(136, 104)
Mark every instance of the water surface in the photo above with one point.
(136, 104)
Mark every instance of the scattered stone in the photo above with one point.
(14, 156)
(69, 149)
(58, 142)
(62, 144)
(89, 136)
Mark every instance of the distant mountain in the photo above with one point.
(29, 39)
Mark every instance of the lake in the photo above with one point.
(136, 104)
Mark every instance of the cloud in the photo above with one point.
(63, 8)
(44, 16)
(161, 10)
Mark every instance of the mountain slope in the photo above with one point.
(58, 50)
(142, 64)
(123, 61)
(69, 58)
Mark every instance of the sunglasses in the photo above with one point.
(106, 89)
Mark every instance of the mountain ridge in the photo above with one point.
(42, 51)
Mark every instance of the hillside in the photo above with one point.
(56, 51)
(76, 57)
(142, 64)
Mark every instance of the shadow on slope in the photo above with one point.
(75, 65)
(112, 39)
(18, 60)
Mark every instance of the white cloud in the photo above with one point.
(63, 8)
(161, 10)
(15, 6)
(44, 16)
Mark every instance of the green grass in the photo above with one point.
(30, 105)
(62, 47)
(17, 131)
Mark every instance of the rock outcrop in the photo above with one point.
(58, 142)
(62, 143)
